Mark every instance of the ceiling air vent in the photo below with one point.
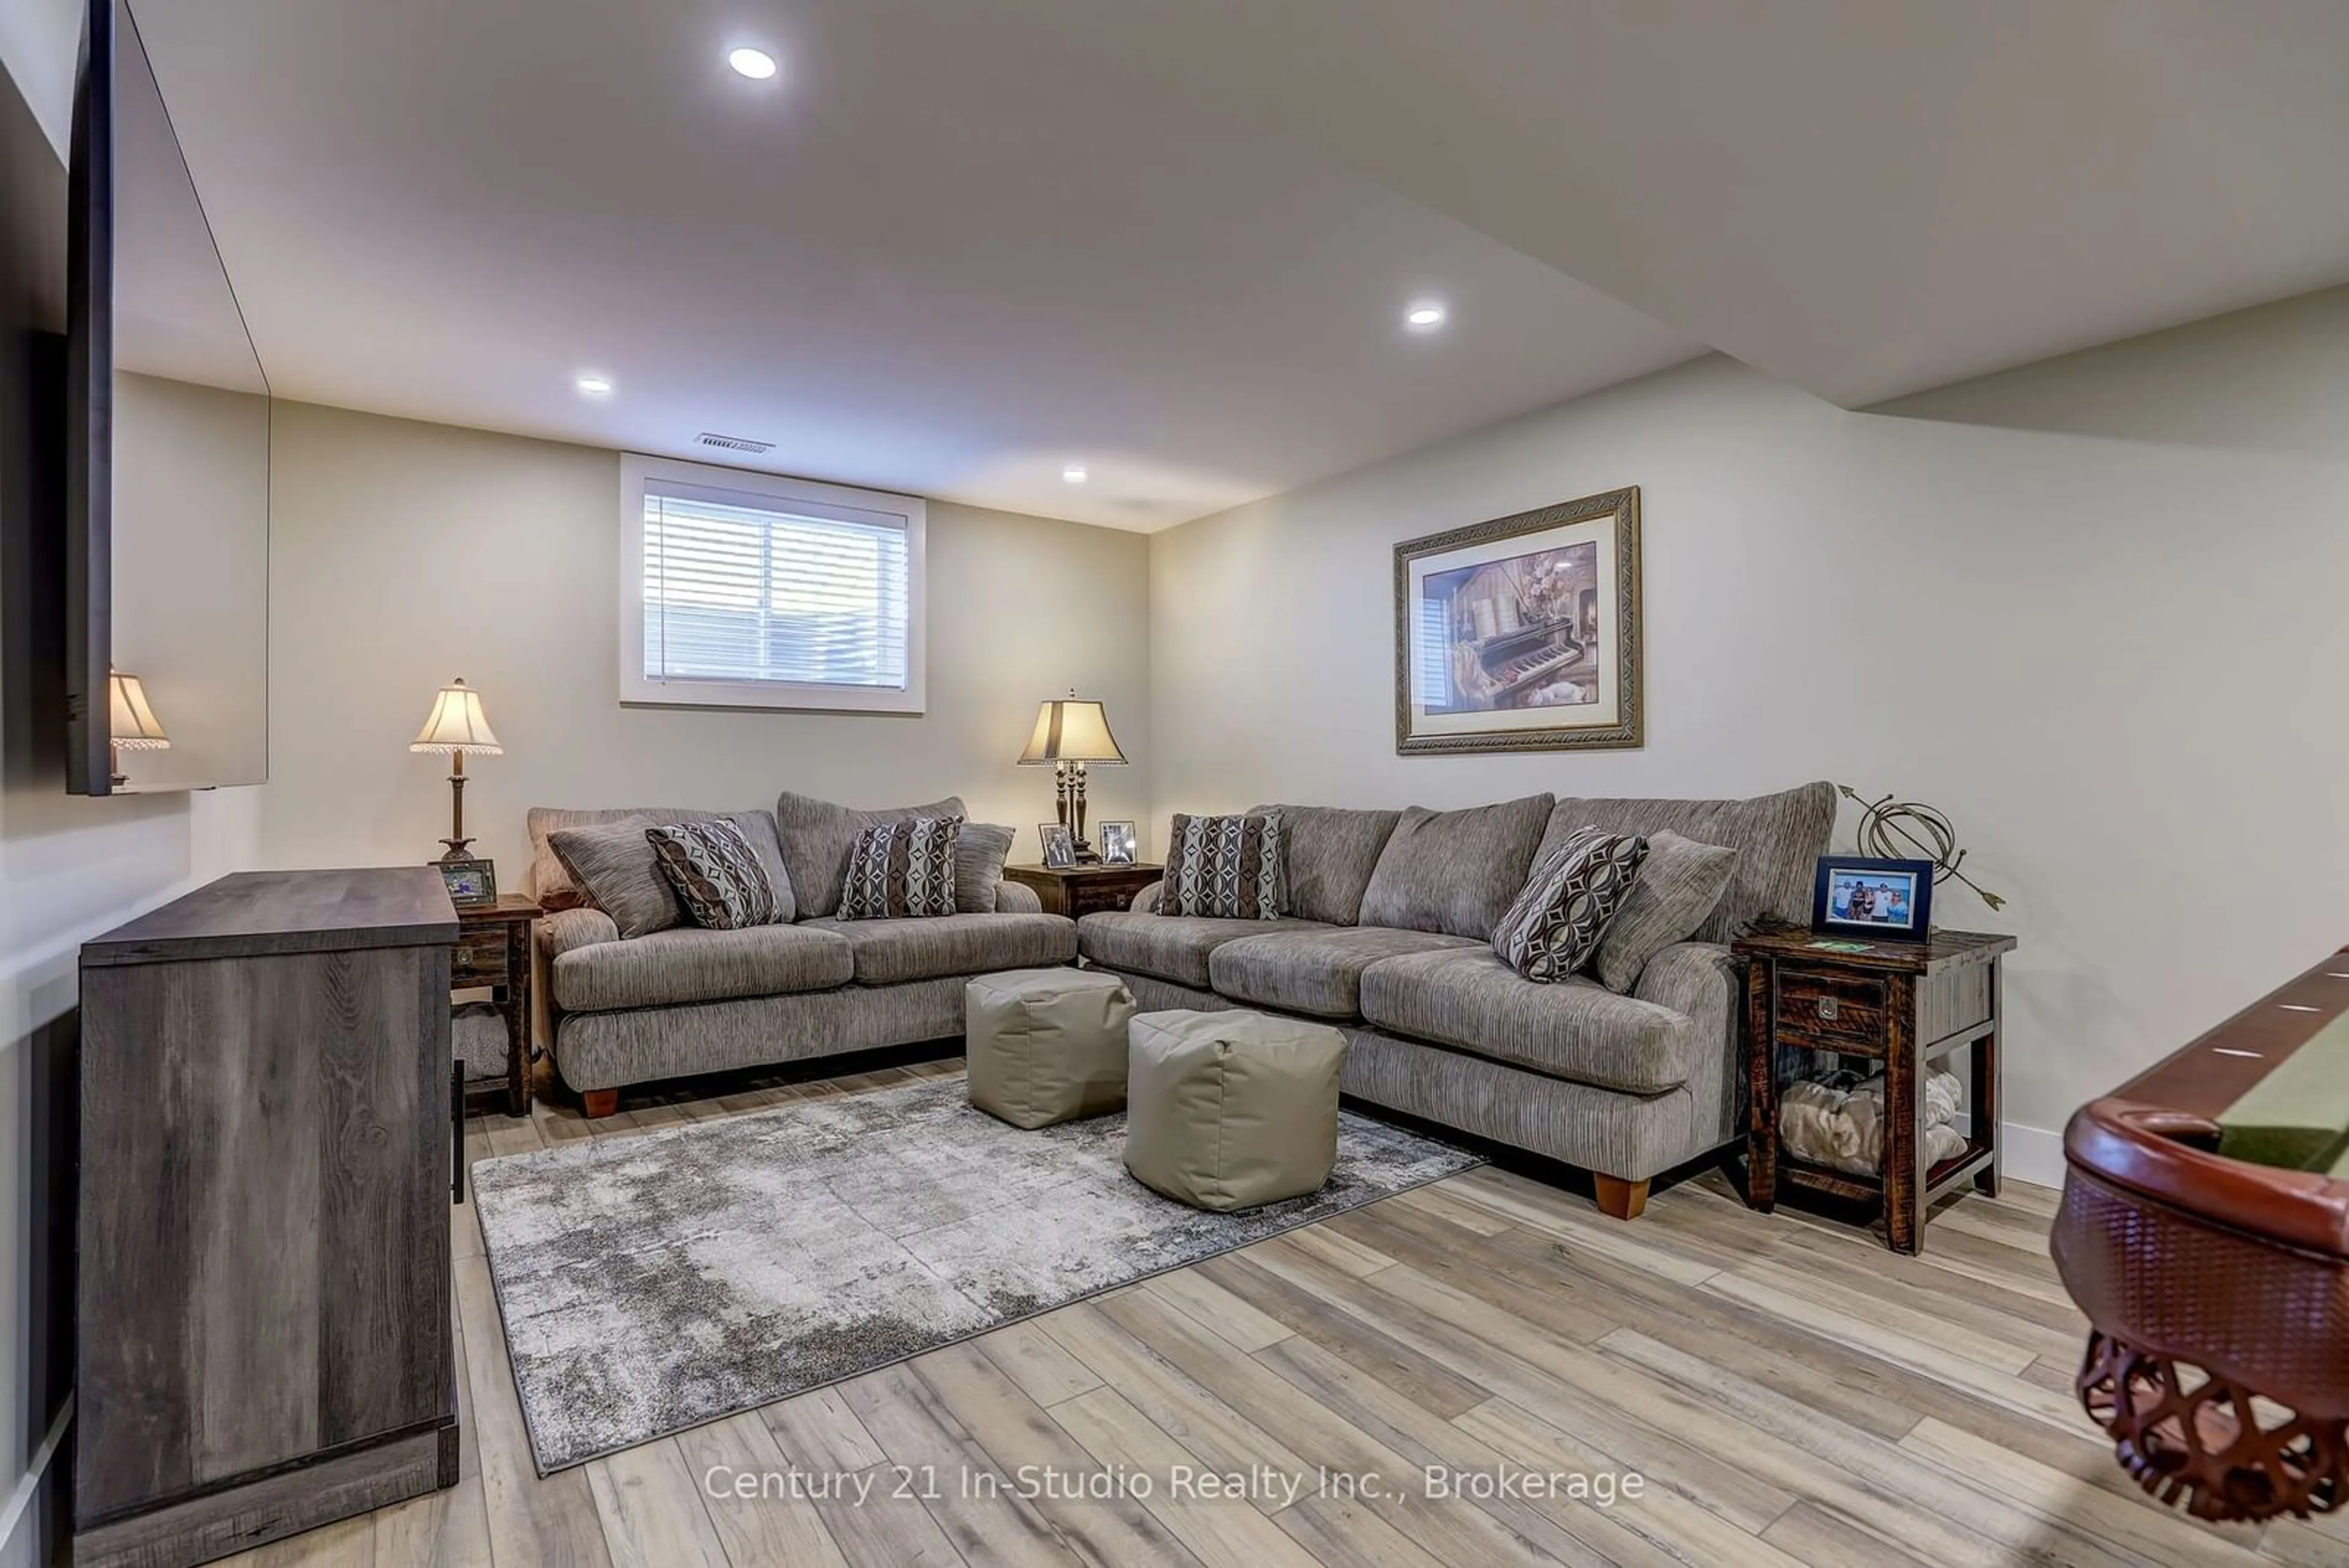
(737, 443)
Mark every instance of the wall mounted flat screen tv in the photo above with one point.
(167, 494)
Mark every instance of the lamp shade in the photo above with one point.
(130, 720)
(457, 724)
(1073, 730)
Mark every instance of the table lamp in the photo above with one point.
(456, 725)
(1070, 734)
(131, 724)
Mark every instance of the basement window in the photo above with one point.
(747, 590)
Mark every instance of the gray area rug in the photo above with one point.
(652, 1283)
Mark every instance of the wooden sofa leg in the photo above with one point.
(1617, 1199)
(606, 1103)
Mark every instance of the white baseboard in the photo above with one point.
(20, 1527)
(2031, 1154)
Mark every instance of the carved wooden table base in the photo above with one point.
(2232, 1453)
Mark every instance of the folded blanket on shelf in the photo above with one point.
(1842, 1128)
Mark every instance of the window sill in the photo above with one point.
(775, 697)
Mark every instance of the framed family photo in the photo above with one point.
(1521, 634)
(1117, 846)
(1060, 845)
(1876, 900)
(472, 883)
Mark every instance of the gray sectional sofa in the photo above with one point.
(1390, 940)
(685, 1000)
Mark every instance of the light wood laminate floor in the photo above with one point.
(1788, 1391)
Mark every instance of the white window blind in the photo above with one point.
(750, 595)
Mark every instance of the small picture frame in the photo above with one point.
(1060, 845)
(1117, 844)
(1877, 901)
(472, 883)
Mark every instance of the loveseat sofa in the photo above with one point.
(1389, 938)
(682, 1001)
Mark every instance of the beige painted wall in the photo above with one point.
(404, 553)
(2108, 645)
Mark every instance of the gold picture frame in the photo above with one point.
(1522, 634)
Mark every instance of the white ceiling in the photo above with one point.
(961, 242)
(1861, 197)
(941, 253)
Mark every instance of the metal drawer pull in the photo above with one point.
(1827, 1008)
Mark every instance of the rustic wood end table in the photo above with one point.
(493, 954)
(1076, 891)
(1905, 1004)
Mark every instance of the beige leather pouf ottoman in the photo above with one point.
(1046, 1046)
(1226, 1110)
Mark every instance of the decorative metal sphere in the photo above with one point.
(1893, 829)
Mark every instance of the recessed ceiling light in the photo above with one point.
(1424, 314)
(594, 386)
(1075, 473)
(756, 63)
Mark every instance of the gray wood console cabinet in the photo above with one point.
(268, 1144)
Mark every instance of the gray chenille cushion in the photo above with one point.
(818, 837)
(891, 953)
(551, 882)
(1315, 973)
(1779, 839)
(613, 864)
(980, 854)
(1327, 854)
(580, 927)
(1678, 885)
(636, 1044)
(1574, 1029)
(689, 964)
(1455, 871)
(1170, 947)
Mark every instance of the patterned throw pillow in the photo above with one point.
(717, 875)
(1555, 924)
(902, 870)
(1223, 866)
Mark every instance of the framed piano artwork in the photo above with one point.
(1521, 634)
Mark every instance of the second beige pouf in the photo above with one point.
(1046, 1046)
(1228, 1110)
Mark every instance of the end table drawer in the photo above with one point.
(1081, 890)
(1832, 1013)
(481, 958)
(1097, 898)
